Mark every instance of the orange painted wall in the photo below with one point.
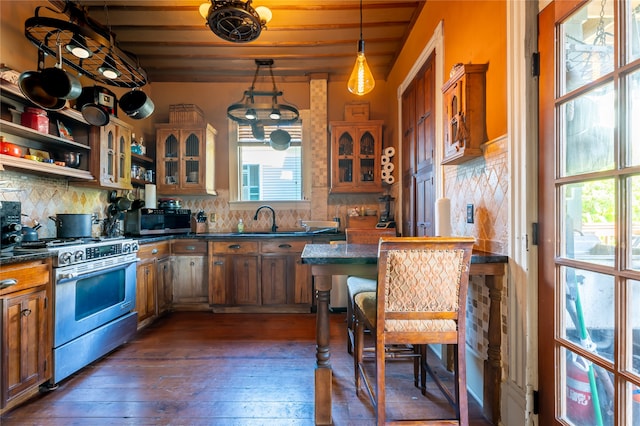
(474, 32)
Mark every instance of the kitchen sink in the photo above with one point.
(283, 233)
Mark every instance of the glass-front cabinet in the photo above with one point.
(356, 149)
(185, 158)
(115, 155)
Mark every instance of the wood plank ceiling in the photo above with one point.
(173, 43)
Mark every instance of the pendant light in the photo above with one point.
(361, 80)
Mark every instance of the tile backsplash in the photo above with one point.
(42, 197)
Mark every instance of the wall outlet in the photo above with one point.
(469, 213)
(213, 217)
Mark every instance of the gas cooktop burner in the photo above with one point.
(61, 242)
(46, 243)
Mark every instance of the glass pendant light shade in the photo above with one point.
(361, 80)
(78, 47)
(109, 68)
(251, 114)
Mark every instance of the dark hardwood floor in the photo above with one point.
(197, 368)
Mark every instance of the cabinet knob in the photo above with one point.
(9, 282)
(234, 246)
(282, 246)
(218, 262)
(154, 251)
(26, 312)
(190, 248)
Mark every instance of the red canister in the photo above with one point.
(36, 119)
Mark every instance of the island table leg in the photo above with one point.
(323, 373)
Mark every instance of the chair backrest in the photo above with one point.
(367, 236)
(422, 286)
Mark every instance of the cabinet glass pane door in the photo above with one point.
(122, 166)
(171, 160)
(367, 162)
(192, 159)
(345, 152)
(111, 154)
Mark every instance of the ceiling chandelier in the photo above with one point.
(248, 111)
(235, 20)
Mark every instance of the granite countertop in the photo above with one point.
(7, 258)
(320, 254)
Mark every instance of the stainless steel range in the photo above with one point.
(94, 299)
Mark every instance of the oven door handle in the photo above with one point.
(71, 276)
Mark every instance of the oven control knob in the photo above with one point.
(64, 258)
(134, 246)
(126, 248)
(79, 255)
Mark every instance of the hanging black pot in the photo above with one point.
(280, 140)
(31, 86)
(136, 104)
(59, 83)
(97, 103)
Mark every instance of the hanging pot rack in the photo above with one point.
(249, 112)
(46, 32)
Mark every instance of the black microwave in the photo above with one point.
(157, 221)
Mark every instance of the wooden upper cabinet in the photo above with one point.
(464, 113)
(185, 158)
(356, 148)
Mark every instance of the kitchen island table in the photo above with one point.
(327, 260)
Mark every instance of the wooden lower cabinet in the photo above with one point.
(259, 276)
(151, 283)
(25, 330)
(190, 275)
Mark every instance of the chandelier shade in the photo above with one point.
(248, 111)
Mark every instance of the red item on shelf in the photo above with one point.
(36, 119)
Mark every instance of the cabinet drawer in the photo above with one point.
(190, 247)
(24, 275)
(234, 247)
(283, 246)
(151, 250)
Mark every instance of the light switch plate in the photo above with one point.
(469, 213)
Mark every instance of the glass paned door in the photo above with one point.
(590, 212)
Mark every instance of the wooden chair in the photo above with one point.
(355, 284)
(420, 299)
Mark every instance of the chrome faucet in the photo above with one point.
(273, 215)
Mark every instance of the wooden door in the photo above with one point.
(589, 198)
(145, 290)
(275, 279)
(246, 279)
(418, 185)
(164, 278)
(26, 342)
(408, 160)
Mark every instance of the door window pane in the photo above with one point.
(589, 228)
(633, 112)
(633, 404)
(589, 311)
(633, 203)
(633, 35)
(633, 330)
(588, 391)
(588, 130)
(587, 47)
